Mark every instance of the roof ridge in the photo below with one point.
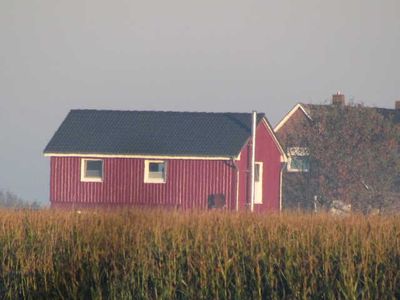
(161, 111)
(330, 105)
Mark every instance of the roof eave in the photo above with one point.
(266, 123)
(141, 156)
(284, 157)
(290, 114)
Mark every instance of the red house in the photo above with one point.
(104, 158)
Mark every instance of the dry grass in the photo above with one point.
(175, 255)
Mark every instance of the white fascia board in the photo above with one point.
(271, 131)
(290, 114)
(98, 155)
(283, 154)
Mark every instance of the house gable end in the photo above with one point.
(290, 114)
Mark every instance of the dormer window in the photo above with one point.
(299, 159)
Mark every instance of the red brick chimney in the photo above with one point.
(338, 99)
(397, 105)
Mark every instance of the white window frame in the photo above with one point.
(258, 197)
(148, 179)
(85, 178)
(297, 151)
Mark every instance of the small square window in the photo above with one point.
(92, 170)
(155, 171)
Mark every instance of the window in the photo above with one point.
(257, 172)
(92, 170)
(155, 171)
(258, 183)
(299, 159)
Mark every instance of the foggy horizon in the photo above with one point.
(212, 56)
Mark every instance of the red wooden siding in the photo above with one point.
(268, 153)
(188, 184)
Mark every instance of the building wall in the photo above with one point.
(269, 154)
(297, 192)
(287, 133)
(188, 185)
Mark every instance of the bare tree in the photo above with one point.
(11, 200)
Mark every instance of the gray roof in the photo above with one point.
(152, 133)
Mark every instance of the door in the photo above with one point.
(258, 182)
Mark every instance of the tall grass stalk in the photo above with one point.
(176, 255)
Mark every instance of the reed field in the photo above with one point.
(176, 255)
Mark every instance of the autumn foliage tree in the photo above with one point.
(354, 156)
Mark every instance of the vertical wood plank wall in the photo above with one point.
(188, 184)
(268, 153)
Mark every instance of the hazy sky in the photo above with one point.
(208, 55)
